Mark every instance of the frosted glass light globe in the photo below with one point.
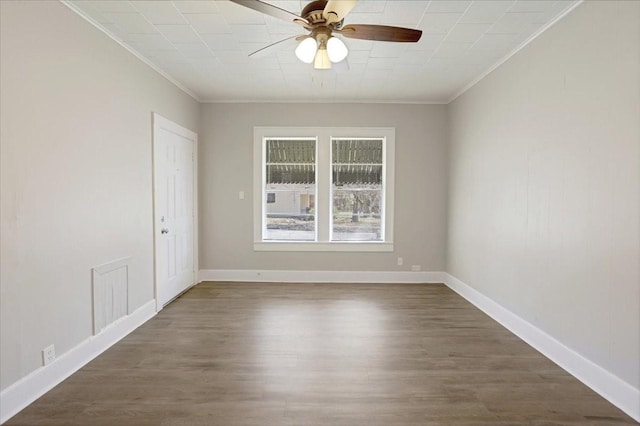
(306, 50)
(322, 60)
(336, 49)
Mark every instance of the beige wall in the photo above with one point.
(544, 185)
(75, 174)
(226, 153)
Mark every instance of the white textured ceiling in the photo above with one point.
(204, 47)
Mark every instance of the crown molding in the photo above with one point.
(147, 62)
(532, 37)
(320, 101)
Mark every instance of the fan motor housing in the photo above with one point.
(313, 12)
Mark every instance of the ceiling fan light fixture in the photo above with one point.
(336, 49)
(322, 61)
(306, 50)
(321, 18)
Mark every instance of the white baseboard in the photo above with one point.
(611, 387)
(320, 276)
(26, 390)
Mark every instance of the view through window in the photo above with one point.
(290, 189)
(357, 194)
(323, 189)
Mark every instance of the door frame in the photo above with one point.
(160, 122)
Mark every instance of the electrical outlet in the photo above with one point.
(400, 261)
(415, 268)
(48, 355)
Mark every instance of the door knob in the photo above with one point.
(164, 231)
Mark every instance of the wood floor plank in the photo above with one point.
(320, 354)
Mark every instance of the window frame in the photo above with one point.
(263, 216)
(383, 140)
(323, 201)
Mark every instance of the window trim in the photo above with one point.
(323, 200)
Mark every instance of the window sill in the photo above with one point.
(346, 246)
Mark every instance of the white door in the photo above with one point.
(174, 150)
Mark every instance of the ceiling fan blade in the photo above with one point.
(275, 47)
(271, 10)
(380, 33)
(336, 10)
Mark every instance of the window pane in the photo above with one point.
(357, 190)
(290, 190)
(356, 214)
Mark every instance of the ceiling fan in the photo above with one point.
(322, 18)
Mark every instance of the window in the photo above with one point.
(323, 189)
(290, 189)
(356, 189)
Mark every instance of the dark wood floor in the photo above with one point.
(321, 354)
